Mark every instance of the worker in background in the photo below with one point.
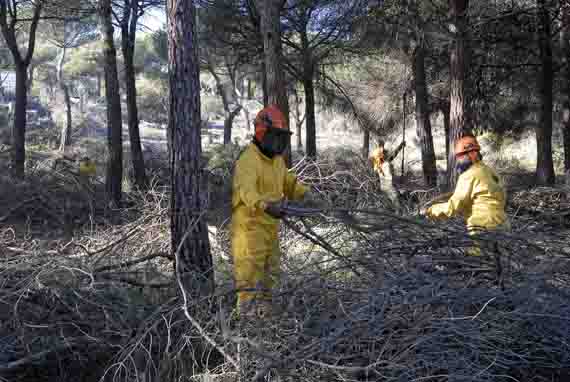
(261, 184)
(382, 163)
(87, 171)
(479, 197)
(87, 168)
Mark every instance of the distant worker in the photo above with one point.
(87, 168)
(382, 163)
(261, 184)
(479, 197)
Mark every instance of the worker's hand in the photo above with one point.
(274, 209)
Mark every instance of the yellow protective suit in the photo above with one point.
(87, 168)
(385, 172)
(255, 244)
(377, 159)
(479, 197)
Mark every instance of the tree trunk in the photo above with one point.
(128, 37)
(30, 81)
(114, 117)
(99, 85)
(457, 84)
(365, 143)
(309, 87)
(544, 162)
(446, 129)
(19, 128)
(423, 123)
(310, 123)
(298, 122)
(565, 37)
(276, 89)
(228, 99)
(250, 89)
(66, 129)
(21, 63)
(189, 230)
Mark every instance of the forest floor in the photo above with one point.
(87, 291)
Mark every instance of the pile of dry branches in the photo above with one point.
(366, 294)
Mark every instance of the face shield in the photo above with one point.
(275, 141)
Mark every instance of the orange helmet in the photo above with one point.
(268, 117)
(466, 145)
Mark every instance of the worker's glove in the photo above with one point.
(274, 209)
(424, 212)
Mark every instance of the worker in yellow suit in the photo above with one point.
(261, 184)
(382, 163)
(87, 167)
(479, 197)
(87, 172)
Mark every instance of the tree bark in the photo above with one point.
(366, 144)
(276, 90)
(19, 128)
(298, 122)
(128, 38)
(114, 117)
(308, 85)
(66, 129)
(565, 37)
(189, 231)
(310, 122)
(229, 98)
(10, 29)
(458, 64)
(250, 89)
(423, 123)
(446, 129)
(99, 85)
(544, 162)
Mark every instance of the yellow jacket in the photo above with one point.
(377, 159)
(479, 197)
(87, 168)
(258, 180)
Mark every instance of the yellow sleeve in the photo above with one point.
(293, 189)
(245, 185)
(459, 201)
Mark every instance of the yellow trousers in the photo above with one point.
(257, 259)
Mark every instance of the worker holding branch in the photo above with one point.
(382, 163)
(261, 185)
(479, 197)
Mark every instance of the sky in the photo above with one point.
(153, 20)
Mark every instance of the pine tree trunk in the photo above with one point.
(114, 176)
(310, 123)
(457, 86)
(128, 38)
(99, 85)
(250, 89)
(423, 123)
(544, 162)
(298, 122)
(276, 89)
(66, 130)
(65, 139)
(446, 129)
(19, 128)
(565, 37)
(189, 230)
(365, 143)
